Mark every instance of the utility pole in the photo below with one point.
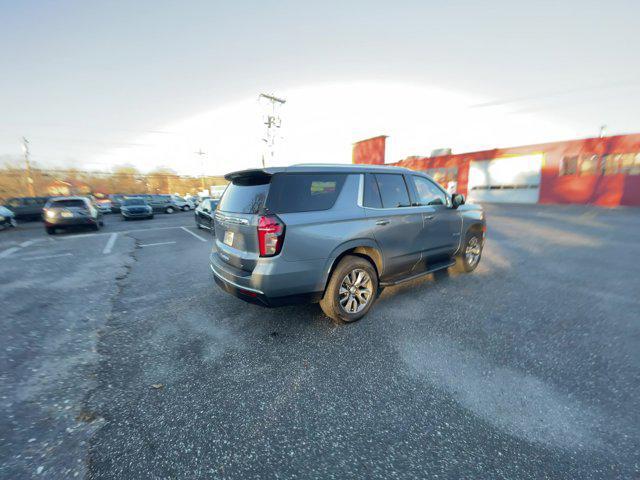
(25, 149)
(201, 154)
(603, 130)
(272, 122)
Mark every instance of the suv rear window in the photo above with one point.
(68, 203)
(245, 195)
(304, 192)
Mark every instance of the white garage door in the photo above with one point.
(509, 179)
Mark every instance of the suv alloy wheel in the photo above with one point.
(351, 290)
(470, 253)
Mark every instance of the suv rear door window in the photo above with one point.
(371, 192)
(393, 190)
(304, 192)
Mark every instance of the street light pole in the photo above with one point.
(25, 149)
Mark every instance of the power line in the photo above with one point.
(555, 93)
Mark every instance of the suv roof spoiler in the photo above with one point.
(320, 167)
(253, 172)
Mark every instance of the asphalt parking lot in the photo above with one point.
(120, 358)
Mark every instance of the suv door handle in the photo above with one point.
(428, 217)
(382, 222)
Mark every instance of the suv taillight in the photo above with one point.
(270, 235)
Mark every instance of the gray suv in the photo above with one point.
(338, 234)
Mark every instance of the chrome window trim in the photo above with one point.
(361, 194)
(361, 190)
(400, 209)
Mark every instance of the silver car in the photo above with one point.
(338, 234)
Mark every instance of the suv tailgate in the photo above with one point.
(236, 219)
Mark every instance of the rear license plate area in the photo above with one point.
(228, 238)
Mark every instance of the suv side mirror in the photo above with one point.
(457, 199)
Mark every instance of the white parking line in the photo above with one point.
(45, 257)
(123, 232)
(110, 242)
(154, 244)
(28, 242)
(194, 234)
(8, 252)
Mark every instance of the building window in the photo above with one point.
(569, 165)
(579, 165)
(443, 175)
(621, 163)
(635, 168)
(626, 163)
(588, 164)
(610, 164)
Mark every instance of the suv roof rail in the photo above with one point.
(344, 165)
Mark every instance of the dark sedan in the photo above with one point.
(204, 213)
(27, 208)
(135, 207)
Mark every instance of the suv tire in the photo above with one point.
(470, 253)
(351, 290)
(169, 210)
(51, 230)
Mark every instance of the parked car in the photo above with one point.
(63, 212)
(116, 201)
(104, 205)
(337, 234)
(182, 203)
(26, 208)
(204, 213)
(195, 199)
(192, 203)
(135, 207)
(7, 218)
(164, 203)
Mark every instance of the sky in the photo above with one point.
(98, 84)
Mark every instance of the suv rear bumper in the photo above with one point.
(260, 298)
(271, 285)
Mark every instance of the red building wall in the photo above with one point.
(590, 187)
(370, 151)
